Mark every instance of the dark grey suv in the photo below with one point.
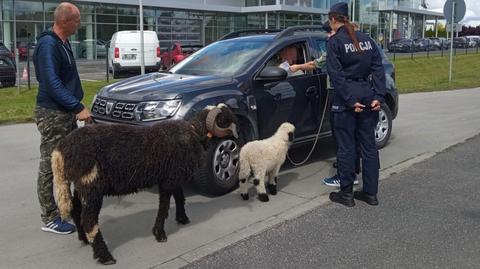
(238, 71)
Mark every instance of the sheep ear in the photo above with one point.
(221, 105)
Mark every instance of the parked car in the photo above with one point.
(439, 42)
(472, 41)
(4, 51)
(22, 50)
(97, 46)
(7, 67)
(124, 52)
(176, 53)
(424, 44)
(401, 45)
(460, 42)
(237, 71)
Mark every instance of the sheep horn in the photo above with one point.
(221, 132)
(211, 116)
(215, 129)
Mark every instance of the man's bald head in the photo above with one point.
(67, 18)
(65, 11)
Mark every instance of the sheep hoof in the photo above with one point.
(83, 238)
(182, 220)
(244, 196)
(272, 189)
(263, 197)
(162, 239)
(160, 235)
(109, 261)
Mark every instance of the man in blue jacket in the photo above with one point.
(58, 104)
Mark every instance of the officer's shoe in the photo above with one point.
(344, 198)
(367, 198)
(334, 181)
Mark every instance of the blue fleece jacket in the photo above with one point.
(59, 84)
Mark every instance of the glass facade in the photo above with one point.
(23, 20)
(385, 20)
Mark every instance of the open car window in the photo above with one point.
(288, 55)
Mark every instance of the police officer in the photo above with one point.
(352, 57)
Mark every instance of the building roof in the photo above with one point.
(414, 11)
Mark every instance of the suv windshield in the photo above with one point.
(221, 58)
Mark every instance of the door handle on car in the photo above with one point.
(277, 97)
(311, 91)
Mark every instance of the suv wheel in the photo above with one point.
(115, 72)
(220, 175)
(384, 126)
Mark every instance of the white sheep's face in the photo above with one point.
(289, 130)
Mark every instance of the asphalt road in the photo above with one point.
(88, 70)
(429, 217)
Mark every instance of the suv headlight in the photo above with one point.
(156, 110)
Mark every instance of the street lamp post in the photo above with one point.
(353, 11)
(142, 47)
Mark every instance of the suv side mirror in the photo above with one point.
(272, 74)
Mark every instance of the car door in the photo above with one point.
(319, 47)
(289, 100)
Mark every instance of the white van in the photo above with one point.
(124, 52)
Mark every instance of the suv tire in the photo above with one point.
(220, 175)
(115, 72)
(384, 126)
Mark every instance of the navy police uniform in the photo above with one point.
(356, 77)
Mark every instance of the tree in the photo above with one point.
(442, 32)
(470, 30)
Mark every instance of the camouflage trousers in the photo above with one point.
(53, 126)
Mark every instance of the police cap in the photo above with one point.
(339, 8)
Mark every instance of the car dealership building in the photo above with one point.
(204, 21)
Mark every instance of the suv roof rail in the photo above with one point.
(291, 30)
(250, 31)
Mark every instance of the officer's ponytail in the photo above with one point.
(348, 26)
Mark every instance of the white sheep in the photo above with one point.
(263, 158)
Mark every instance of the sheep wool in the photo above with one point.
(104, 160)
(262, 159)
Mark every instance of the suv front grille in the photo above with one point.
(114, 109)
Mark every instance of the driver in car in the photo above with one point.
(286, 58)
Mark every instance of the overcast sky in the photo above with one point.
(472, 16)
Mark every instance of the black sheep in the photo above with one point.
(117, 159)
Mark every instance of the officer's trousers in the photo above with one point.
(352, 128)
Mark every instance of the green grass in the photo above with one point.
(418, 75)
(424, 74)
(18, 107)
